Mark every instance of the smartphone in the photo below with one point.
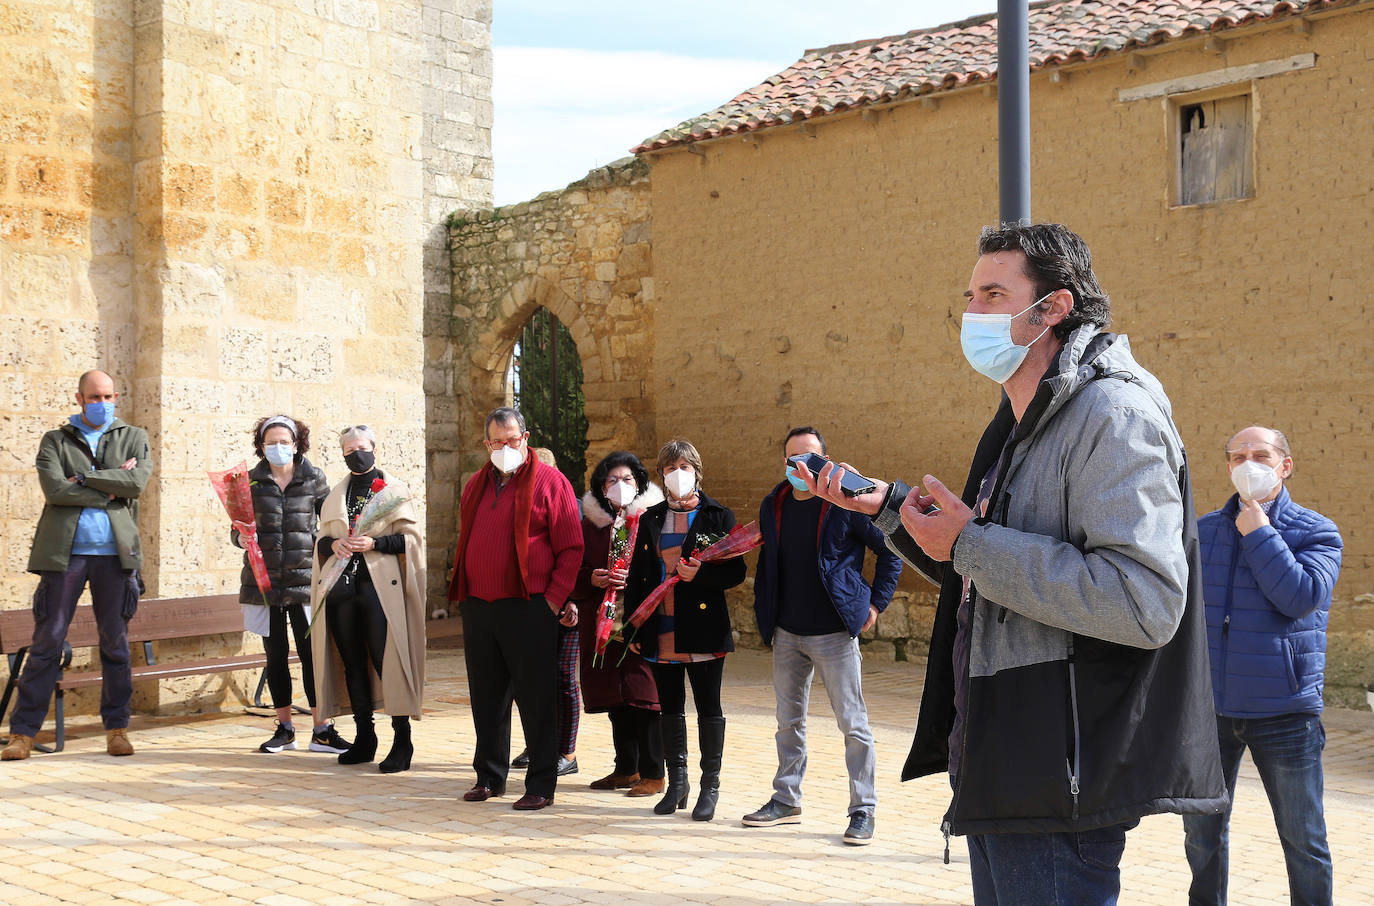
(852, 484)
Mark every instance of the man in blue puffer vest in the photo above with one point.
(812, 602)
(1268, 568)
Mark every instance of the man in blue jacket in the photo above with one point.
(1268, 568)
(812, 602)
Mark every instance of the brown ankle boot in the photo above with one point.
(647, 786)
(20, 747)
(614, 781)
(117, 742)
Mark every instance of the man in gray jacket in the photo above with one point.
(1067, 690)
(92, 471)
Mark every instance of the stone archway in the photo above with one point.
(585, 255)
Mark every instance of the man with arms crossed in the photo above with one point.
(92, 471)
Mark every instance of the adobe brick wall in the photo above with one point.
(817, 278)
(585, 254)
(227, 205)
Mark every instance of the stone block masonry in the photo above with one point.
(236, 209)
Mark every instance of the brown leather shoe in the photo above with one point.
(647, 786)
(20, 747)
(615, 782)
(117, 742)
(531, 802)
(481, 793)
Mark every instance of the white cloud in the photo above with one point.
(560, 112)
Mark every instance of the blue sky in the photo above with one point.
(580, 82)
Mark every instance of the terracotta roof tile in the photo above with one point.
(847, 76)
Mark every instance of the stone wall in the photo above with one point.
(584, 254)
(227, 206)
(814, 276)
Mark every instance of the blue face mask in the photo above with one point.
(988, 345)
(279, 454)
(99, 413)
(793, 480)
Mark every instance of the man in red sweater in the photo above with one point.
(519, 548)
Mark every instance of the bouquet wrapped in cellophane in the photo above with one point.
(624, 532)
(741, 540)
(232, 487)
(382, 501)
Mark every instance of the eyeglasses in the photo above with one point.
(354, 428)
(512, 442)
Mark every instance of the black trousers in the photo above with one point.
(637, 736)
(278, 649)
(511, 650)
(705, 677)
(358, 627)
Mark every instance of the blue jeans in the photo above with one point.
(836, 657)
(114, 594)
(1076, 868)
(1287, 751)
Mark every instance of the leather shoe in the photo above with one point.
(615, 782)
(532, 802)
(480, 793)
(647, 786)
(522, 760)
(566, 765)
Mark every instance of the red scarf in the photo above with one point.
(467, 514)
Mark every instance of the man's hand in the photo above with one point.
(687, 568)
(568, 615)
(872, 619)
(935, 520)
(618, 577)
(129, 464)
(1251, 517)
(601, 577)
(827, 485)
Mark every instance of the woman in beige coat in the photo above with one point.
(369, 637)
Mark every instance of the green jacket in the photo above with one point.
(63, 453)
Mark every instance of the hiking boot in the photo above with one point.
(117, 742)
(284, 738)
(20, 747)
(329, 740)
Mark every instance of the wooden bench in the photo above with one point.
(156, 620)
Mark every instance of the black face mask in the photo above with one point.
(360, 462)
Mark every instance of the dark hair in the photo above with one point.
(675, 450)
(302, 434)
(804, 429)
(1056, 258)
(603, 471)
(504, 415)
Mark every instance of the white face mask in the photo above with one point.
(507, 460)
(1253, 480)
(622, 492)
(680, 483)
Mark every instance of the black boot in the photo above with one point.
(711, 737)
(398, 759)
(364, 743)
(675, 757)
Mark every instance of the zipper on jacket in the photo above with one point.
(948, 824)
(1226, 622)
(1074, 768)
(944, 829)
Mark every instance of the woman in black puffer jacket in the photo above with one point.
(287, 493)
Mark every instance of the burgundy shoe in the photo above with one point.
(480, 793)
(532, 802)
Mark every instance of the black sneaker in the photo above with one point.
(773, 813)
(329, 740)
(284, 738)
(860, 830)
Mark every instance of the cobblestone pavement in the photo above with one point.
(197, 815)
